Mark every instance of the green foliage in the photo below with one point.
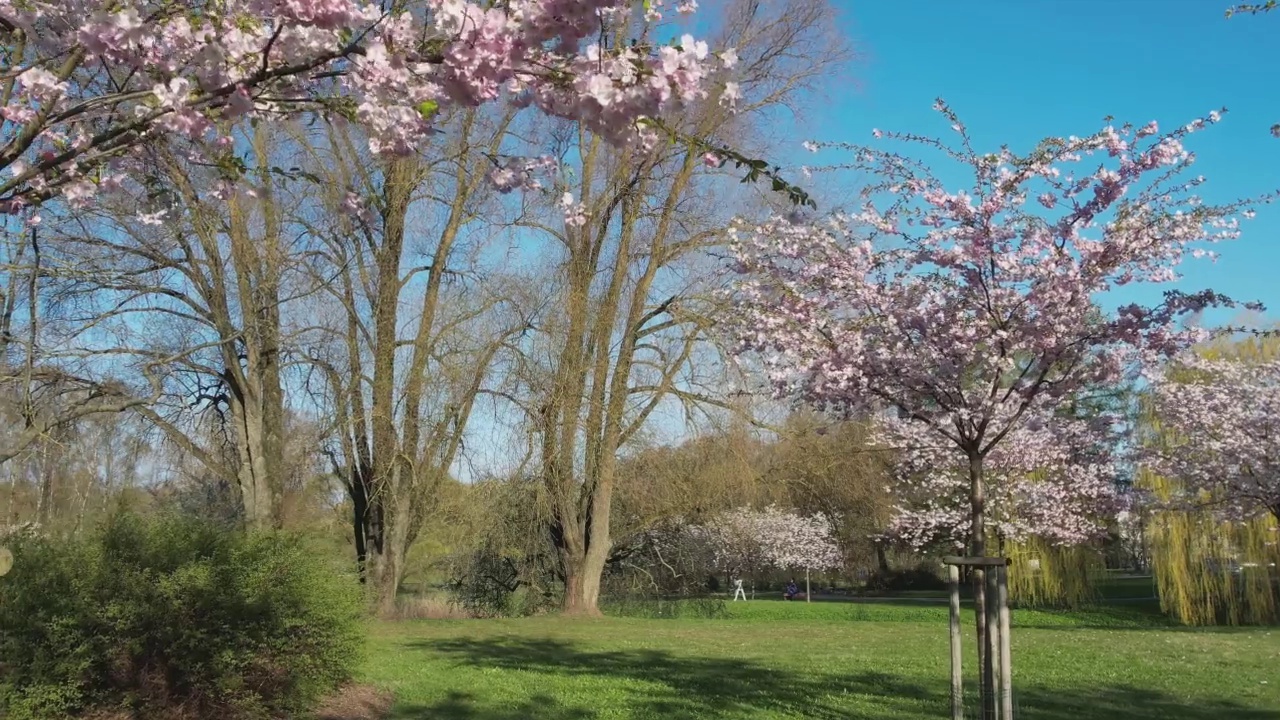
(492, 584)
(1045, 575)
(161, 614)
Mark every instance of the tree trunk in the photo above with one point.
(583, 571)
(44, 501)
(366, 520)
(387, 568)
(581, 590)
(253, 474)
(978, 545)
(882, 558)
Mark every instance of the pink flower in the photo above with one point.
(354, 51)
(711, 159)
(77, 194)
(957, 324)
(239, 104)
(575, 213)
(731, 95)
(41, 82)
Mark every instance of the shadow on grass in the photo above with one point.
(661, 685)
(464, 706)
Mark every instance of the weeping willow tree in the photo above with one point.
(1211, 567)
(1042, 574)
(1209, 571)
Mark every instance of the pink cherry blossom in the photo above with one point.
(575, 213)
(113, 75)
(1219, 439)
(968, 312)
(1053, 478)
(744, 540)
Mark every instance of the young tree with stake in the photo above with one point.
(965, 310)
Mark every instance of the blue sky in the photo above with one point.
(1019, 70)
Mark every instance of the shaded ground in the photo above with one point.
(763, 666)
(356, 702)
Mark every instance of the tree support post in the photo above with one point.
(1006, 660)
(957, 683)
(992, 671)
(997, 673)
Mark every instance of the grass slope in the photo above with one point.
(817, 661)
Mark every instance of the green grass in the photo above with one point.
(771, 659)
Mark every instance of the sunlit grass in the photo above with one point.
(770, 659)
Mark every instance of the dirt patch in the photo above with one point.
(356, 702)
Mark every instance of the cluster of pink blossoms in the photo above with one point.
(93, 80)
(1219, 423)
(1053, 478)
(968, 312)
(745, 539)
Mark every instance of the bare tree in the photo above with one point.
(45, 381)
(197, 287)
(629, 330)
(407, 347)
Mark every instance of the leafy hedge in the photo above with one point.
(172, 617)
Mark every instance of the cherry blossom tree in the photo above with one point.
(1052, 479)
(968, 310)
(85, 83)
(1220, 419)
(796, 541)
(745, 540)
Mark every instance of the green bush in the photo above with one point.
(490, 584)
(173, 617)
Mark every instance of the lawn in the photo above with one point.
(771, 659)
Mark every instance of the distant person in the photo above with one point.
(792, 591)
(738, 591)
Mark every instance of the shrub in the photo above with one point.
(920, 577)
(173, 616)
(491, 584)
